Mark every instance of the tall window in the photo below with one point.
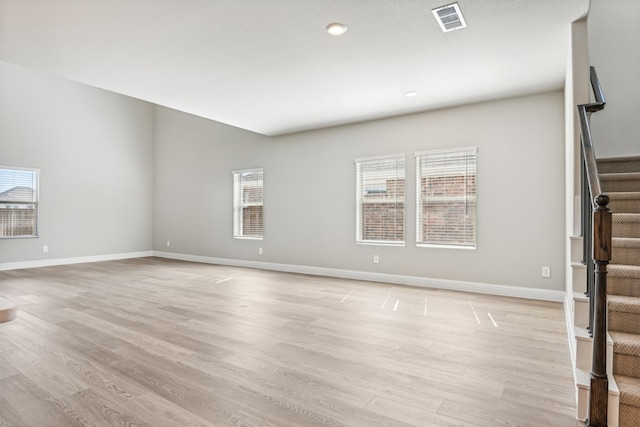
(380, 200)
(248, 215)
(18, 202)
(446, 198)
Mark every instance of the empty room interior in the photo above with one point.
(302, 213)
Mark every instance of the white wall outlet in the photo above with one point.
(259, 251)
(546, 271)
(376, 259)
(45, 249)
(168, 243)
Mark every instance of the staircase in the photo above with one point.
(7, 310)
(620, 178)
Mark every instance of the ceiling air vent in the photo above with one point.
(449, 17)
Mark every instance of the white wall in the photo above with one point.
(95, 152)
(310, 189)
(614, 32)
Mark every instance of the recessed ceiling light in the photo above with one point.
(410, 94)
(336, 29)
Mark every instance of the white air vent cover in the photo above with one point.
(449, 17)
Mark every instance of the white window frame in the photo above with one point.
(240, 202)
(12, 201)
(467, 167)
(360, 195)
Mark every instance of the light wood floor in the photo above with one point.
(152, 342)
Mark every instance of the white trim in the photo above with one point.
(381, 242)
(436, 246)
(454, 285)
(387, 157)
(20, 168)
(447, 150)
(74, 260)
(246, 170)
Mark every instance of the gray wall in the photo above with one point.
(613, 49)
(95, 152)
(121, 176)
(310, 189)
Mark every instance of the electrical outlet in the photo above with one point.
(376, 259)
(45, 249)
(168, 243)
(259, 251)
(546, 271)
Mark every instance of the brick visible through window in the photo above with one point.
(248, 189)
(18, 202)
(380, 194)
(446, 189)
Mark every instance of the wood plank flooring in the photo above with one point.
(153, 342)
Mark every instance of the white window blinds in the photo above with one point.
(380, 199)
(248, 215)
(446, 195)
(18, 202)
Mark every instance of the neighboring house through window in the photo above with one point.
(248, 217)
(18, 202)
(446, 198)
(380, 199)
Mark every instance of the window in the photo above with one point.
(18, 202)
(446, 198)
(248, 215)
(380, 200)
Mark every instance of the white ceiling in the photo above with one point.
(270, 67)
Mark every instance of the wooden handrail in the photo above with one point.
(597, 235)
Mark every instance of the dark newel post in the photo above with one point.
(601, 257)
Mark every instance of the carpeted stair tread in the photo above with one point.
(625, 181)
(619, 176)
(626, 250)
(626, 242)
(623, 280)
(622, 270)
(629, 390)
(626, 225)
(623, 304)
(619, 164)
(625, 343)
(624, 201)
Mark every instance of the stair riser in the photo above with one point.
(581, 313)
(622, 166)
(625, 205)
(579, 278)
(623, 286)
(582, 409)
(626, 256)
(626, 229)
(624, 322)
(584, 355)
(626, 364)
(623, 185)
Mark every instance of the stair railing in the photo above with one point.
(597, 233)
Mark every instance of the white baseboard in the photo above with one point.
(74, 260)
(454, 285)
